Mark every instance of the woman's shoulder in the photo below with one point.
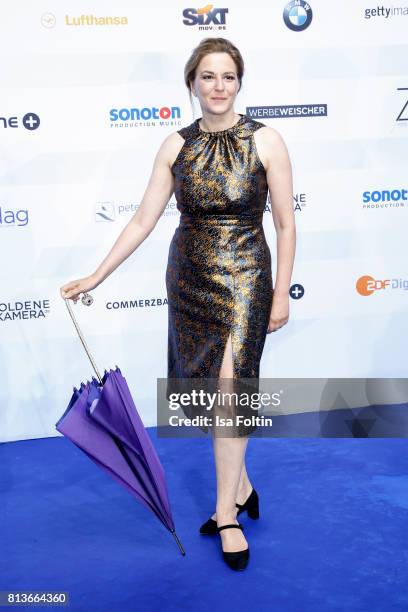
(271, 146)
(187, 130)
(268, 134)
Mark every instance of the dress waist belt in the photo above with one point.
(241, 220)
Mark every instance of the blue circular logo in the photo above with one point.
(297, 291)
(31, 121)
(297, 15)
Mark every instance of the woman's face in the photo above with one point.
(216, 82)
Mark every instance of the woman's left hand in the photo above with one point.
(279, 313)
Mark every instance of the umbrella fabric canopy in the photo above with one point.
(102, 420)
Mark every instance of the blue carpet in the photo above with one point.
(331, 536)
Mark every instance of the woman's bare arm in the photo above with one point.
(275, 158)
(158, 192)
(274, 155)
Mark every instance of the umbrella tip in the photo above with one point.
(173, 531)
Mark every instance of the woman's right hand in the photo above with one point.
(72, 289)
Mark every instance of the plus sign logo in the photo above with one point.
(297, 291)
(31, 121)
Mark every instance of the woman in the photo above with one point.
(218, 276)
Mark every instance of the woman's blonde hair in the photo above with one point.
(212, 45)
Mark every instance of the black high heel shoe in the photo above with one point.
(235, 560)
(251, 506)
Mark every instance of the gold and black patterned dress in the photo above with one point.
(218, 276)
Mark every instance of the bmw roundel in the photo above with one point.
(297, 15)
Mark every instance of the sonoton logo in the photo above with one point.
(127, 117)
(297, 15)
(396, 198)
(207, 18)
(366, 285)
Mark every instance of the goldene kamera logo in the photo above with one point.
(24, 309)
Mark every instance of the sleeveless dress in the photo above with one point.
(218, 276)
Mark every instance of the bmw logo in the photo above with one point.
(297, 15)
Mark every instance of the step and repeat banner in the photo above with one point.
(88, 93)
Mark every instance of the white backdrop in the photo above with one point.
(71, 179)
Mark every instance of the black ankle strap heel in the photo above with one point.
(251, 506)
(235, 560)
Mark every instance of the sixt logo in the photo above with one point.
(385, 198)
(13, 218)
(30, 121)
(207, 18)
(297, 15)
(366, 285)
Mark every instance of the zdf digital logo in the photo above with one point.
(30, 121)
(297, 15)
(367, 285)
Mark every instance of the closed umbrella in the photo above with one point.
(102, 420)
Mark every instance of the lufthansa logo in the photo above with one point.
(297, 15)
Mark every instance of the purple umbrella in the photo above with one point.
(102, 420)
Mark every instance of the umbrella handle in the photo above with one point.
(87, 300)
